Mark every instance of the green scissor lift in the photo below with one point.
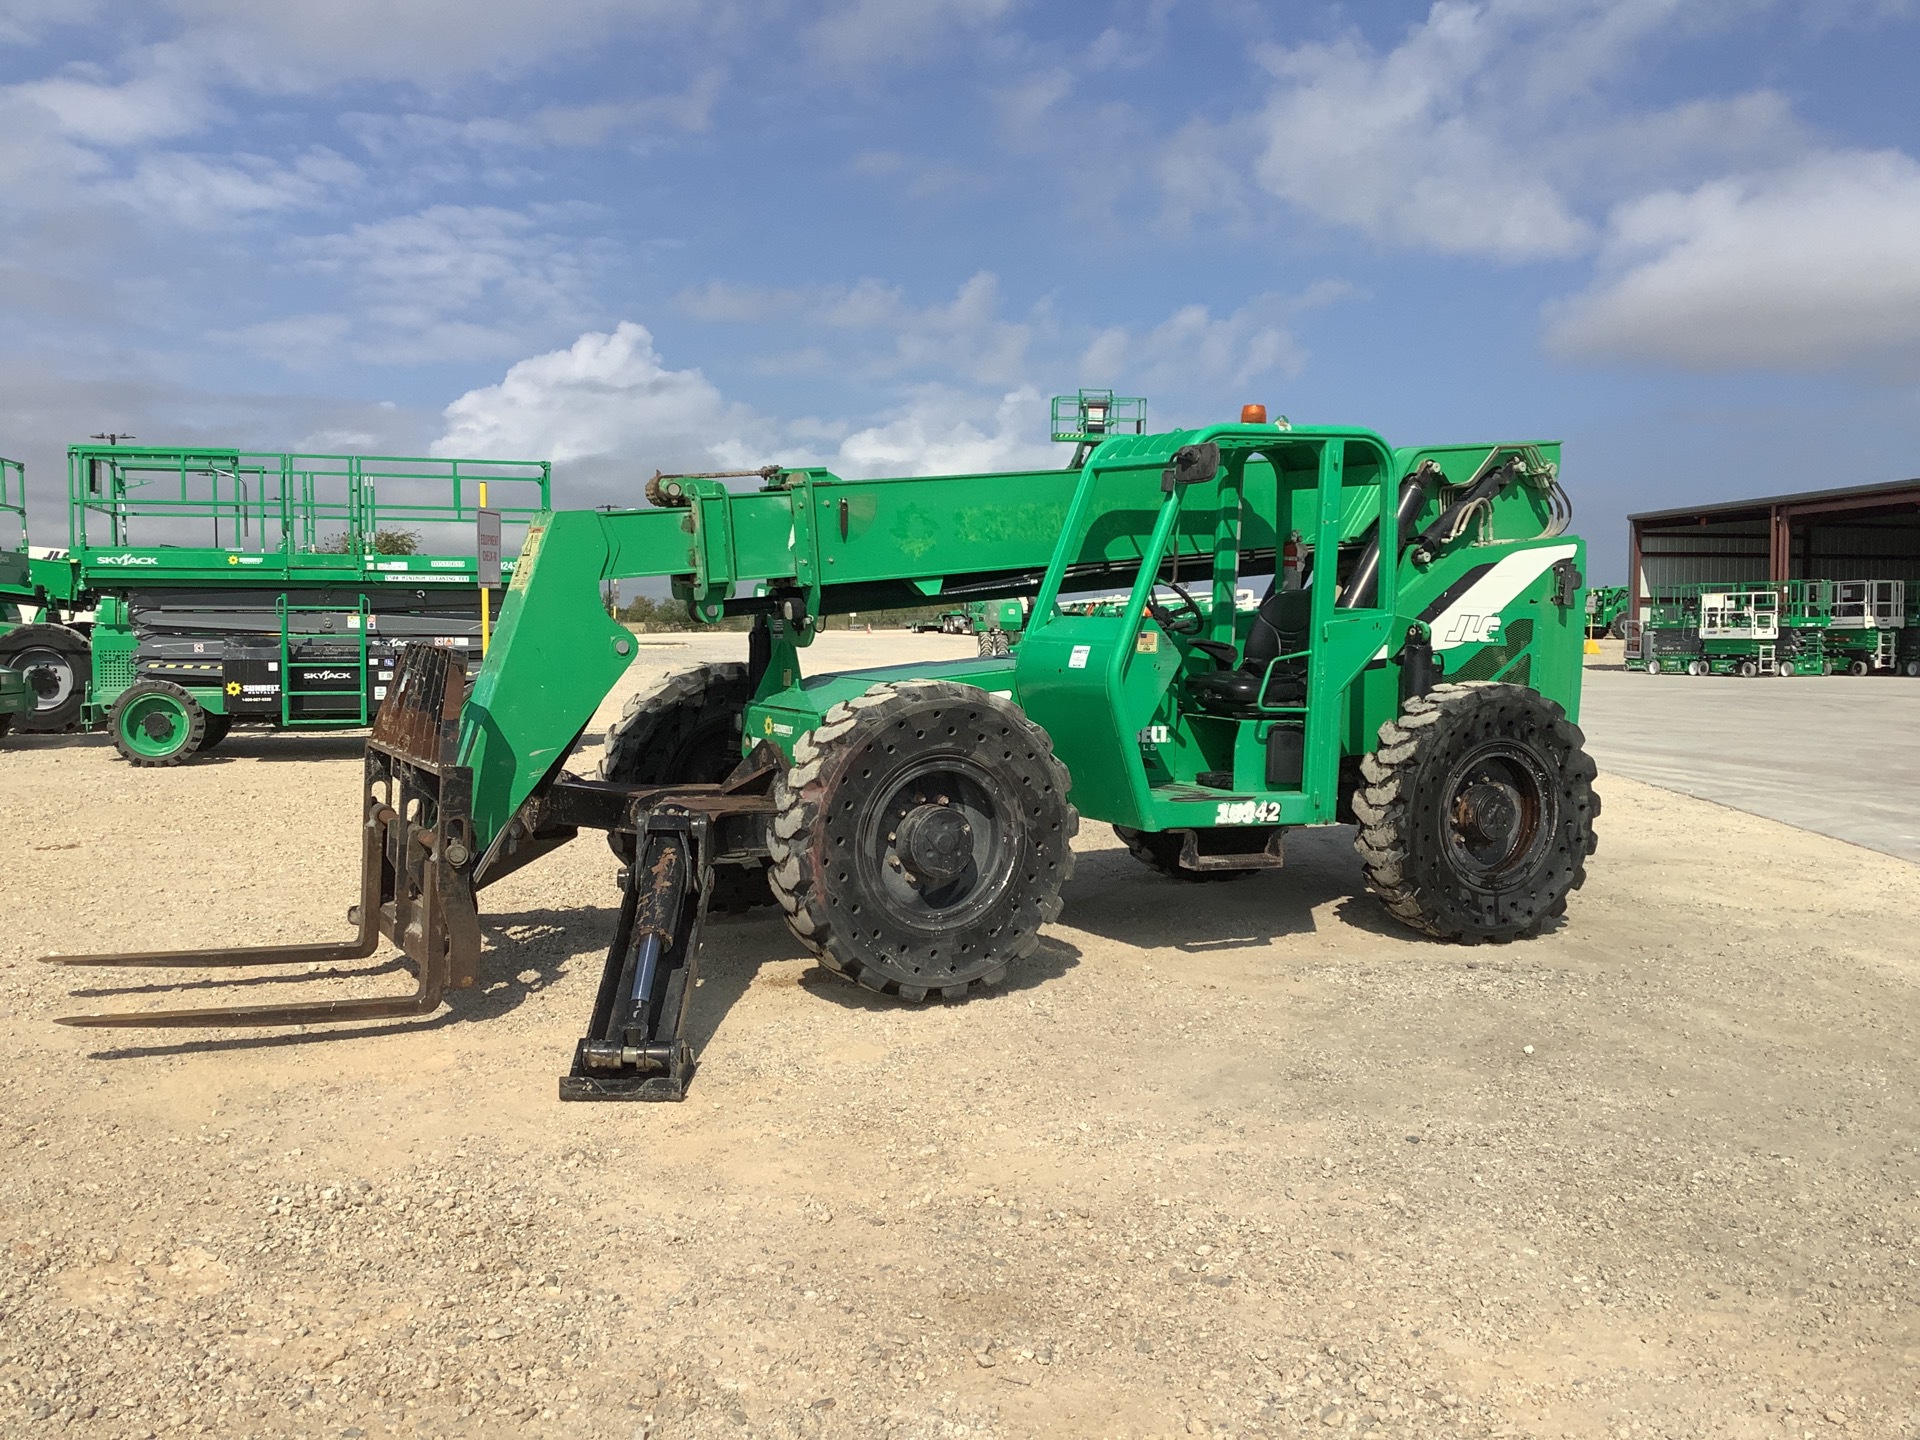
(1864, 620)
(202, 588)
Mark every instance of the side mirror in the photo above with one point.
(1191, 465)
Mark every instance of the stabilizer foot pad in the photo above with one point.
(622, 1087)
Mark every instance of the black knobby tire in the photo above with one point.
(155, 723)
(1477, 814)
(922, 837)
(994, 643)
(1618, 629)
(687, 730)
(1160, 850)
(217, 728)
(58, 664)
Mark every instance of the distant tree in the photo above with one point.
(385, 542)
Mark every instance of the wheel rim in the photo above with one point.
(1497, 816)
(938, 848)
(49, 674)
(154, 726)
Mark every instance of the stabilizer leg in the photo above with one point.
(634, 1048)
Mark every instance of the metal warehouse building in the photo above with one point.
(1863, 532)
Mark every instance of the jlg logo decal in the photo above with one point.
(1472, 630)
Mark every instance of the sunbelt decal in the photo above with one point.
(246, 560)
(126, 560)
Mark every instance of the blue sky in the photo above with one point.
(1681, 236)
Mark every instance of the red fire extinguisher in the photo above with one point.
(1290, 563)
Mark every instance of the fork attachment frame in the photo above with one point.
(416, 868)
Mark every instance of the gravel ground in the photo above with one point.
(1237, 1160)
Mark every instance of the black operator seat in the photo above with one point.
(1279, 628)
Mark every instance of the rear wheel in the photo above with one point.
(1160, 850)
(1858, 668)
(1913, 669)
(57, 663)
(1477, 818)
(686, 730)
(1652, 667)
(155, 723)
(922, 837)
(217, 727)
(1696, 667)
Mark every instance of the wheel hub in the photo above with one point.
(48, 674)
(935, 841)
(1488, 813)
(1498, 814)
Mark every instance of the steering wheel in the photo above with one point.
(1183, 617)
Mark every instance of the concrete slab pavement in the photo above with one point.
(1839, 756)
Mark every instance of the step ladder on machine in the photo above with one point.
(354, 626)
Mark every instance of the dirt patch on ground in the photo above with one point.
(1242, 1159)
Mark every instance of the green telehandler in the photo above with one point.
(1414, 669)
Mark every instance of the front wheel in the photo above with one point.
(1477, 816)
(57, 663)
(156, 723)
(922, 838)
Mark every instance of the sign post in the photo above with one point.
(487, 552)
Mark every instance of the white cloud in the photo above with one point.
(606, 397)
(23, 22)
(610, 411)
(720, 301)
(1814, 266)
(451, 281)
(164, 101)
(1488, 130)
(1398, 147)
(201, 193)
(304, 47)
(965, 338)
(941, 431)
(864, 32)
(1192, 348)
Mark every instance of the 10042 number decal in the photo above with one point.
(1247, 812)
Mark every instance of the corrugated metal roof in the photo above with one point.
(1894, 490)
